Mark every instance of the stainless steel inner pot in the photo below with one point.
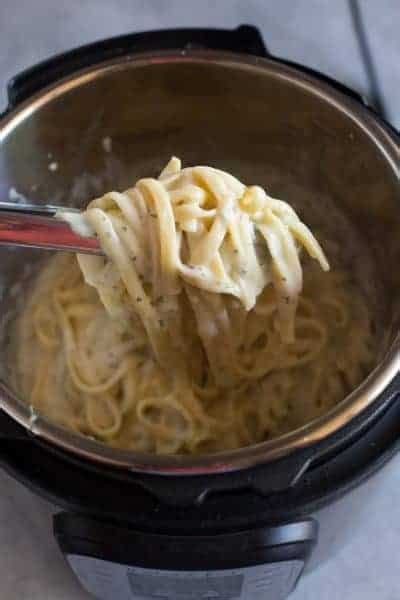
(263, 121)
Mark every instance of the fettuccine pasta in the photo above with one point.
(212, 322)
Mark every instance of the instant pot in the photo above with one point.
(242, 524)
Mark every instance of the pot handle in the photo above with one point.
(245, 39)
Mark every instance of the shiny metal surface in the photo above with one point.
(35, 227)
(269, 124)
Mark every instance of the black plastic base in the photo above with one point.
(83, 536)
(113, 560)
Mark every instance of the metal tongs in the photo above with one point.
(37, 226)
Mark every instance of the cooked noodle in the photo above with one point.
(201, 329)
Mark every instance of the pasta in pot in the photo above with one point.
(213, 321)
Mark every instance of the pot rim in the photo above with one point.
(306, 436)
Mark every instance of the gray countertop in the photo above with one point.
(314, 32)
